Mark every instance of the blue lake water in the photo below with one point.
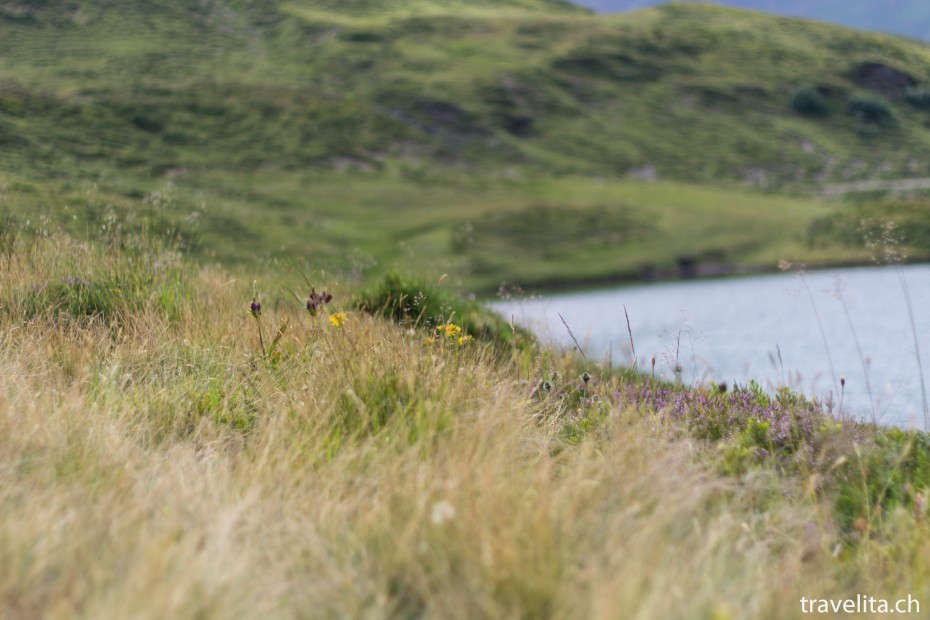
(764, 328)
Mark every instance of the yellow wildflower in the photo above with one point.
(338, 319)
(451, 330)
(463, 339)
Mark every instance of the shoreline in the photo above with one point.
(683, 273)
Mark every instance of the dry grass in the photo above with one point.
(153, 466)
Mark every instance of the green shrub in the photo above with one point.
(894, 472)
(749, 447)
(417, 304)
(807, 100)
(869, 109)
(856, 223)
(918, 96)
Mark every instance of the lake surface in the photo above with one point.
(764, 328)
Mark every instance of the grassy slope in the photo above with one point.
(156, 465)
(522, 232)
(552, 92)
(450, 127)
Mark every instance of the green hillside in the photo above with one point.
(287, 128)
(293, 84)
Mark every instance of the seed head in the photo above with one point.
(255, 308)
(547, 386)
(842, 381)
(316, 301)
(586, 377)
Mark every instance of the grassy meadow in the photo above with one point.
(155, 88)
(533, 233)
(243, 373)
(426, 137)
(367, 460)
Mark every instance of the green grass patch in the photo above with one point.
(110, 284)
(881, 224)
(892, 473)
(416, 304)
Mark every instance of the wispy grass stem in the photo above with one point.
(630, 332)
(920, 368)
(823, 335)
(575, 340)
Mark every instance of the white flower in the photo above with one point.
(442, 511)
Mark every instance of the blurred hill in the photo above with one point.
(442, 122)
(160, 86)
(909, 18)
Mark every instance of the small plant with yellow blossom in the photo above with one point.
(449, 332)
(338, 319)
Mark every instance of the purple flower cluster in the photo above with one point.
(75, 282)
(714, 414)
(316, 301)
